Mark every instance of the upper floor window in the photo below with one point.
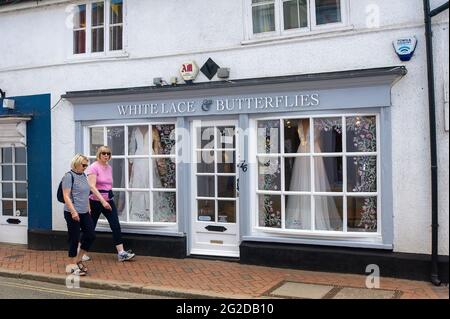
(98, 27)
(279, 16)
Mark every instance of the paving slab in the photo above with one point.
(361, 293)
(301, 290)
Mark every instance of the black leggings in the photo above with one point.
(112, 217)
(87, 227)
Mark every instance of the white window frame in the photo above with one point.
(126, 157)
(106, 53)
(312, 27)
(344, 234)
(13, 182)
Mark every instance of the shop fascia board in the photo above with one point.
(317, 81)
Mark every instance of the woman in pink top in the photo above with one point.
(100, 180)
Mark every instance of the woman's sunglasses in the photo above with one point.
(85, 165)
(106, 153)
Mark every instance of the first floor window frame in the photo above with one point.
(312, 26)
(125, 157)
(107, 25)
(329, 234)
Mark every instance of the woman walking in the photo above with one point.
(77, 213)
(101, 200)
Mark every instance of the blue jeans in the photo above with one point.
(112, 217)
(85, 226)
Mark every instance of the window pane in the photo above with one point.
(298, 212)
(328, 212)
(21, 209)
(79, 42)
(115, 38)
(206, 186)
(328, 135)
(163, 137)
(263, 18)
(119, 200)
(164, 207)
(7, 190)
(139, 206)
(226, 137)
(328, 174)
(205, 137)
(21, 173)
(269, 174)
(138, 173)
(7, 208)
(297, 172)
(98, 10)
(205, 162)
(226, 186)
(206, 210)
(6, 155)
(226, 162)
(21, 191)
(116, 140)
(362, 214)
(138, 143)
(296, 136)
(98, 40)
(7, 173)
(295, 14)
(328, 11)
(116, 13)
(226, 211)
(268, 137)
(269, 207)
(79, 17)
(21, 155)
(362, 174)
(118, 168)
(164, 173)
(361, 134)
(96, 138)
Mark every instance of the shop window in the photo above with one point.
(318, 174)
(276, 17)
(13, 182)
(144, 170)
(98, 27)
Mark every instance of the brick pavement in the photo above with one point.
(196, 276)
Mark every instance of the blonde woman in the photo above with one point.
(77, 210)
(100, 180)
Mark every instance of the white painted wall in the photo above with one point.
(35, 58)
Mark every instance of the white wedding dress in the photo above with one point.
(298, 208)
(139, 201)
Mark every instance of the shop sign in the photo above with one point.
(222, 105)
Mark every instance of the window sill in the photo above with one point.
(320, 235)
(92, 57)
(297, 35)
(144, 229)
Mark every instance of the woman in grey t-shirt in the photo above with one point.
(77, 213)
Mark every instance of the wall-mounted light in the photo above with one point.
(7, 103)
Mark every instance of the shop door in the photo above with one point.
(13, 195)
(215, 198)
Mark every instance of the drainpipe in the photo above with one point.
(432, 114)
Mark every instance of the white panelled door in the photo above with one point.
(215, 184)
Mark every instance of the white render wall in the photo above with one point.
(35, 58)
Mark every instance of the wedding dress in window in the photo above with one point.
(298, 208)
(139, 177)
